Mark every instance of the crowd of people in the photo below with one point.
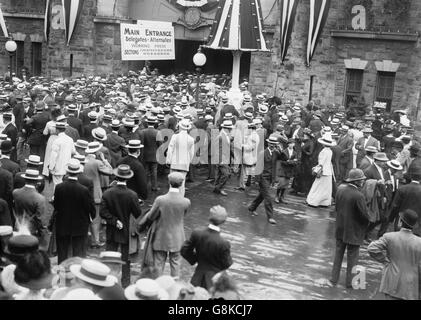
(100, 143)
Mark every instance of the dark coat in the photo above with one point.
(5, 217)
(148, 137)
(72, 133)
(19, 113)
(12, 132)
(287, 164)
(10, 166)
(210, 251)
(19, 182)
(37, 123)
(138, 182)
(76, 123)
(6, 186)
(118, 203)
(73, 217)
(351, 215)
(87, 131)
(115, 145)
(408, 197)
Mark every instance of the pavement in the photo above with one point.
(290, 260)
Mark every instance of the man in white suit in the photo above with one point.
(61, 152)
(181, 151)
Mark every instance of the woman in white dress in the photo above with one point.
(50, 130)
(321, 191)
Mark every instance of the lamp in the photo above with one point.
(199, 60)
(11, 47)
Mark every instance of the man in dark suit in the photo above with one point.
(36, 139)
(74, 121)
(137, 182)
(33, 162)
(150, 141)
(408, 197)
(346, 142)
(224, 157)
(82, 178)
(351, 224)
(115, 143)
(118, 204)
(72, 218)
(93, 124)
(6, 188)
(18, 112)
(6, 163)
(12, 133)
(208, 249)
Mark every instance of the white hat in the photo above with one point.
(93, 272)
(93, 147)
(5, 230)
(185, 124)
(326, 140)
(145, 289)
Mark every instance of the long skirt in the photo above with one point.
(45, 170)
(321, 192)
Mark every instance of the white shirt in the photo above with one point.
(174, 190)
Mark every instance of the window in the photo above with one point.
(20, 58)
(36, 53)
(384, 88)
(354, 82)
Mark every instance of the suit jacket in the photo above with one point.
(10, 166)
(5, 217)
(87, 131)
(28, 201)
(6, 186)
(93, 169)
(37, 123)
(62, 150)
(210, 251)
(351, 215)
(119, 203)
(373, 173)
(19, 113)
(12, 132)
(169, 211)
(115, 145)
(85, 181)
(346, 143)
(73, 217)
(360, 146)
(19, 182)
(365, 164)
(72, 133)
(408, 197)
(287, 165)
(138, 182)
(83, 115)
(180, 151)
(401, 254)
(148, 137)
(76, 123)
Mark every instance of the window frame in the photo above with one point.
(348, 79)
(385, 89)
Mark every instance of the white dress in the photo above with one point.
(321, 191)
(50, 129)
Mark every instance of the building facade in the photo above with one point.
(369, 49)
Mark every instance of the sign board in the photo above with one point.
(147, 40)
(380, 105)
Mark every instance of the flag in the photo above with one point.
(47, 20)
(71, 13)
(3, 25)
(238, 26)
(319, 10)
(288, 12)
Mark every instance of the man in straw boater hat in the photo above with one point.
(364, 142)
(351, 225)
(112, 259)
(118, 204)
(36, 125)
(266, 177)
(31, 206)
(72, 218)
(180, 151)
(62, 150)
(368, 159)
(115, 143)
(401, 253)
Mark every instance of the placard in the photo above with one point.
(147, 40)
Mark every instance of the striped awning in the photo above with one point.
(238, 25)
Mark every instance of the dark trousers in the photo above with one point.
(264, 194)
(78, 245)
(352, 253)
(152, 172)
(38, 150)
(125, 270)
(222, 176)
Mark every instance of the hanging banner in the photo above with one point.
(71, 12)
(3, 25)
(47, 20)
(147, 40)
(288, 12)
(319, 10)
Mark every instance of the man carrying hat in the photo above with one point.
(351, 224)
(401, 253)
(118, 204)
(72, 218)
(208, 249)
(169, 211)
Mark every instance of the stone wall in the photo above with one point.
(292, 78)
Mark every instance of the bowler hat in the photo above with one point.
(6, 146)
(409, 216)
(123, 171)
(355, 175)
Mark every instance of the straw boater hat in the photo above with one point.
(145, 289)
(227, 124)
(111, 257)
(128, 122)
(74, 166)
(83, 144)
(134, 144)
(123, 171)
(81, 158)
(31, 174)
(185, 124)
(115, 123)
(61, 125)
(355, 175)
(394, 164)
(99, 134)
(381, 156)
(93, 147)
(273, 139)
(34, 160)
(93, 272)
(371, 149)
(263, 109)
(326, 140)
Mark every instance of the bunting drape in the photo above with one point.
(288, 12)
(238, 25)
(3, 25)
(71, 12)
(319, 10)
(47, 20)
